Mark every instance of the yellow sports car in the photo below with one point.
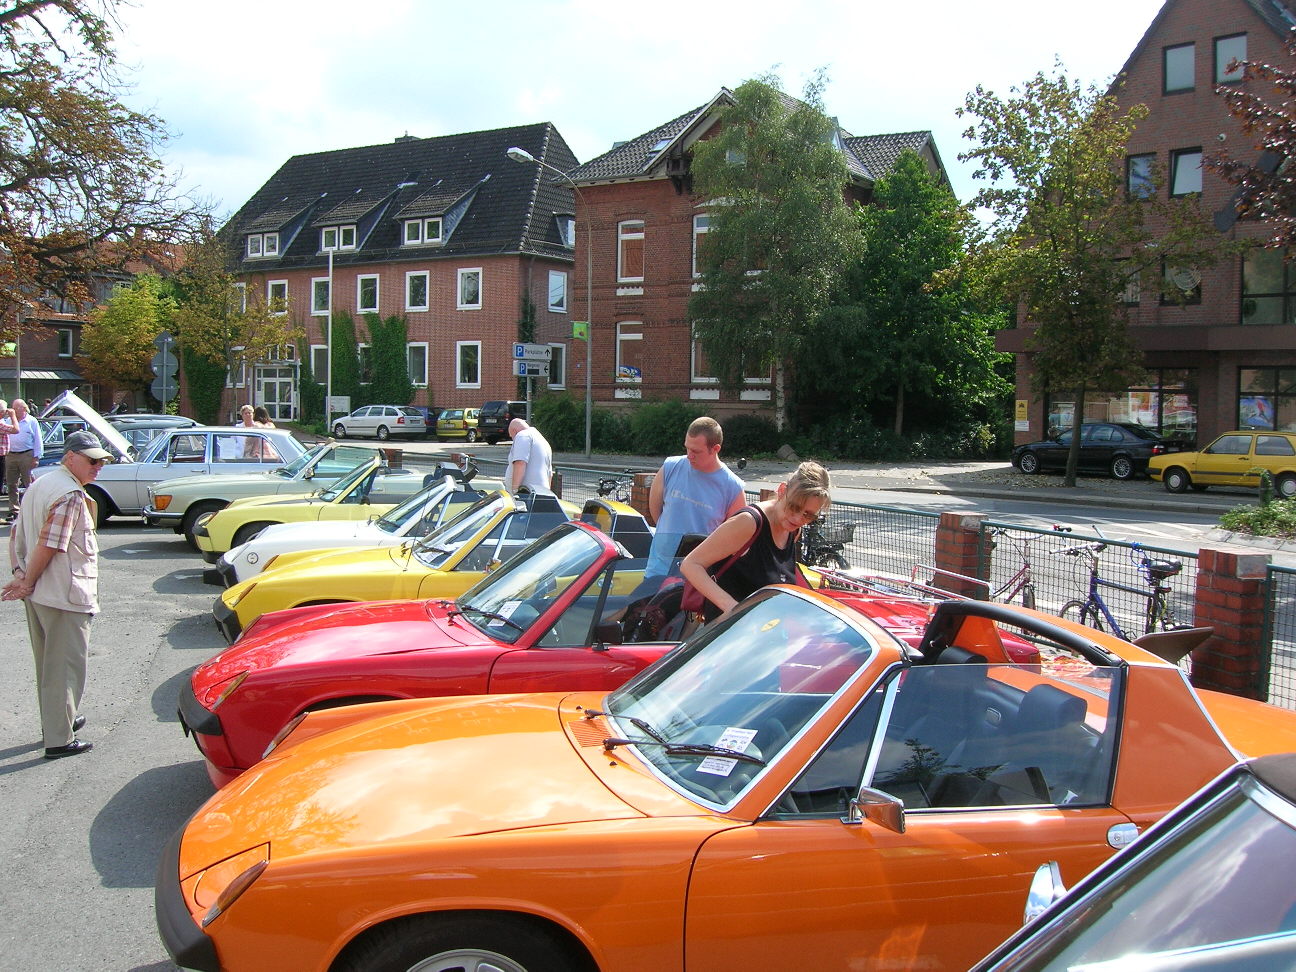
(370, 489)
(445, 563)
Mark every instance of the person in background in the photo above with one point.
(768, 530)
(247, 416)
(25, 450)
(54, 556)
(530, 460)
(691, 494)
(261, 417)
(7, 418)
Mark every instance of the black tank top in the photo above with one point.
(762, 564)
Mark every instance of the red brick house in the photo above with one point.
(1225, 358)
(448, 232)
(637, 227)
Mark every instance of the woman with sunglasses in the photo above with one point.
(764, 534)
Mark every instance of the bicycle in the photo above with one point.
(823, 546)
(616, 488)
(1092, 609)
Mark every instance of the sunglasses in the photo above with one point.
(93, 462)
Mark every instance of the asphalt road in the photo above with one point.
(81, 836)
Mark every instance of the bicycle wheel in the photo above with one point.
(1085, 612)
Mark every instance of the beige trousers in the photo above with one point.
(60, 643)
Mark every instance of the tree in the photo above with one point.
(82, 187)
(1266, 188)
(1066, 237)
(779, 231)
(117, 339)
(917, 340)
(391, 381)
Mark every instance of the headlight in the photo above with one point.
(228, 690)
(221, 884)
(233, 602)
(161, 501)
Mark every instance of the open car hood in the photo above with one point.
(73, 403)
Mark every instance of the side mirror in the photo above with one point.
(1045, 888)
(881, 808)
(607, 633)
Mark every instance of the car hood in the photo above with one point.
(278, 499)
(106, 431)
(326, 532)
(334, 632)
(330, 563)
(206, 482)
(432, 771)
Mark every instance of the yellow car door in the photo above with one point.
(1228, 461)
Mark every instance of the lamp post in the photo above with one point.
(522, 155)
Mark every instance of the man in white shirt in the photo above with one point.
(530, 460)
(25, 450)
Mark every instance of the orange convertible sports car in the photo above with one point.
(792, 788)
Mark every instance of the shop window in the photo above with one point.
(1267, 398)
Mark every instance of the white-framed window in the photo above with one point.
(419, 232)
(236, 376)
(558, 291)
(558, 366)
(467, 364)
(469, 290)
(337, 238)
(262, 245)
(567, 229)
(629, 360)
(277, 296)
(699, 368)
(416, 290)
(367, 293)
(630, 251)
(320, 304)
(240, 298)
(416, 362)
(319, 363)
(701, 226)
(65, 342)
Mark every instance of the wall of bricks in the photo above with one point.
(958, 553)
(1230, 597)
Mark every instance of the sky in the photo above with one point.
(243, 85)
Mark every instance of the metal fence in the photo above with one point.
(1278, 663)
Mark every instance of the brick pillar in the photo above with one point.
(555, 483)
(958, 551)
(639, 490)
(1230, 598)
(395, 458)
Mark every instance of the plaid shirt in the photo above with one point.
(63, 521)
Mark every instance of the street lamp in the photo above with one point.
(522, 155)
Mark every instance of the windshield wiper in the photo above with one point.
(487, 614)
(682, 749)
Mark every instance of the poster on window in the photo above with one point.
(1256, 412)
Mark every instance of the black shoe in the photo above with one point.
(78, 723)
(75, 748)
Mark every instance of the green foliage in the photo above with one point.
(750, 435)
(346, 360)
(1066, 237)
(561, 420)
(117, 340)
(391, 382)
(860, 438)
(205, 382)
(311, 391)
(773, 162)
(1273, 519)
(658, 428)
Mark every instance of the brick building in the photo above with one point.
(1226, 357)
(638, 224)
(448, 232)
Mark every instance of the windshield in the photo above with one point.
(507, 601)
(294, 468)
(440, 545)
(344, 484)
(430, 508)
(748, 684)
(1210, 890)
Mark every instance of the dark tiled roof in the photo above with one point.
(868, 157)
(1277, 14)
(878, 153)
(511, 210)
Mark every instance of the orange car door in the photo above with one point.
(1001, 770)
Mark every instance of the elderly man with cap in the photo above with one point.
(54, 554)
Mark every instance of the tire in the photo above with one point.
(339, 431)
(460, 942)
(1028, 463)
(1176, 480)
(1122, 467)
(1285, 486)
(1082, 612)
(383, 434)
(471, 435)
(830, 559)
(247, 531)
(190, 521)
(104, 507)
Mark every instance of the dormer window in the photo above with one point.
(337, 238)
(419, 232)
(262, 245)
(567, 229)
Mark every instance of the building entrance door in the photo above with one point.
(276, 387)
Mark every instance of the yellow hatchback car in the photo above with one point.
(445, 563)
(368, 490)
(1234, 459)
(458, 423)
